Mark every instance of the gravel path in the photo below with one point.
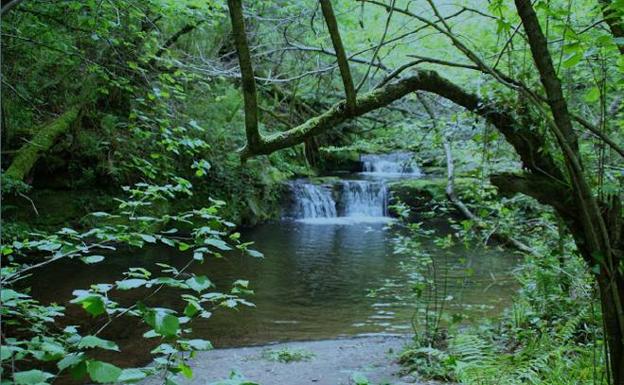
(333, 363)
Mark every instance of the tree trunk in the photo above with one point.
(611, 324)
(45, 137)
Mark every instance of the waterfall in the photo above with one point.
(347, 201)
(312, 201)
(362, 198)
(395, 164)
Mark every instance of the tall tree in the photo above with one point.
(596, 224)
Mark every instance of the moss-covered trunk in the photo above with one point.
(44, 139)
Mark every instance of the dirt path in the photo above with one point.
(333, 363)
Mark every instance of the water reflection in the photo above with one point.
(312, 284)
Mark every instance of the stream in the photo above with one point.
(324, 264)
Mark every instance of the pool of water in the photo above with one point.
(317, 280)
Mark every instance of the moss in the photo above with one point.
(324, 179)
(434, 171)
(343, 160)
(28, 155)
(422, 193)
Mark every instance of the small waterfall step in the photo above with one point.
(345, 201)
(312, 200)
(352, 200)
(360, 198)
(390, 165)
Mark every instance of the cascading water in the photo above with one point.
(395, 164)
(352, 200)
(312, 201)
(361, 198)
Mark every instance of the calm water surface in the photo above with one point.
(316, 281)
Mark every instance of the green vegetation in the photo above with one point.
(164, 127)
(287, 355)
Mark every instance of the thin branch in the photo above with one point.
(381, 43)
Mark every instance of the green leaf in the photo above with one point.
(199, 283)
(592, 95)
(218, 243)
(92, 259)
(192, 308)
(128, 284)
(103, 372)
(572, 60)
(198, 256)
(70, 360)
(8, 294)
(31, 377)
(148, 238)
(131, 375)
(183, 246)
(163, 323)
(6, 352)
(96, 342)
(255, 253)
(197, 344)
(185, 370)
(92, 303)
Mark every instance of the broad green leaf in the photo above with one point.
(31, 377)
(131, 375)
(92, 259)
(97, 342)
(197, 344)
(185, 370)
(198, 256)
(70, 360)
(163, 323)
(103, 372)
(148, 238)
(92, 303)
(132, 283)
(218, 243)
(199, 283)
(8, 294)
(592, 95)
(572, 60)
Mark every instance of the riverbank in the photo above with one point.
(326, 362)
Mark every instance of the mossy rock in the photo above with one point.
(346, 160)
(327, 180)
(423, 193)
(434, 171)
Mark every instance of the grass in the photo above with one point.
(286, 355)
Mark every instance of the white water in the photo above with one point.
(351, 201)
(390, 165)
(313, 201)
(362, 198)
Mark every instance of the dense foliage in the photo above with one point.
(131, 124)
